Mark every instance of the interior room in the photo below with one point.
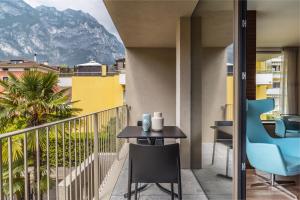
(273, 67)
(273, 74)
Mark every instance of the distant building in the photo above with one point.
(91, 68)
(20, 66)
(269, 82)
(96, 86)
(120, 64)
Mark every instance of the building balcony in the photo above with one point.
(58, 161)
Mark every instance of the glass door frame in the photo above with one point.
(240, 100)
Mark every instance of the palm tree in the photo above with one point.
(36, 97)
(31, 100)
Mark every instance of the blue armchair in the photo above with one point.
(286, 128)
(277, 156)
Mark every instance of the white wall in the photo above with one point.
(214, 73)
(151, 83)
(208, 76)
(262, 79)
(183, 87)
(65, 81)
(208, 96)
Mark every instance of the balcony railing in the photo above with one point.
(67, 159)
(268, 71)
(70, 74)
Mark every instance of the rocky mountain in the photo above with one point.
(59, 37)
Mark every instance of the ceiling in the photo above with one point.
(152, 23)
(148, 23)
(278, 22)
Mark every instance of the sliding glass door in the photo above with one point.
(213, 96)
(219, 97)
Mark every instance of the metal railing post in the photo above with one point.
(10, 168)
(96, 157)
(117, 130)
(127, 116)
(1, 170)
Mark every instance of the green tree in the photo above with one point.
(31, 100)
(34, 99)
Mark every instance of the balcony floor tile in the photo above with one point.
(190, 188)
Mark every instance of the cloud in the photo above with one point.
(96, 8)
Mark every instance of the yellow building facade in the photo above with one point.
(261, 90)
(229, 97)
(96, 93)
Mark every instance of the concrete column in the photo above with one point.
(150, 83)
(183, 87)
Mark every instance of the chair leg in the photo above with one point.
(136, 191)
(227, 161)
(129, 191)
(172, 190)
(214, 151)
(179, 191)
(179, 186)
(276, 184)
(129, 182)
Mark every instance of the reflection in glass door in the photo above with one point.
(212, 97)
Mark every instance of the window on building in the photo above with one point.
(276, 85)
(268, 80)
(5, 78)
(229, 69)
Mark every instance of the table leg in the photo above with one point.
(166, 190)
(227, 167)
(142, 188)
(214, 149)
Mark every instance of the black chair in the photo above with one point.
(154, 164)
(222, 136)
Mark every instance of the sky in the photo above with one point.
(96, 8)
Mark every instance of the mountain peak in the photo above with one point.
(48, 8)
(61, 37)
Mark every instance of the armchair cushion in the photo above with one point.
(280, 128)
(293, 134)
(293, 131)
(285, 128)
(266, 157)
(280, 156)
(288, 146)
(290, 125)
(292, 164)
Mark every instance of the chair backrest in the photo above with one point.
(256, 131)
(290, 125)
(154, 164)
(139, 123)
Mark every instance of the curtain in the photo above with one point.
(290, 90)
